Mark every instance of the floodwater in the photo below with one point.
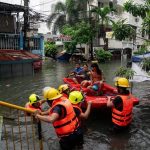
(98, 135)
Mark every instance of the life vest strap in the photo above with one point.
(59, 126)
(122, 115)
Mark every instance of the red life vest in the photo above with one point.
(65, 95)
(31, 107)
(68, 124)
(124, 117)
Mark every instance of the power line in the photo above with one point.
(43, 3)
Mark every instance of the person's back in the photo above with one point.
(63, 118)
(122, 105)
(76, 98)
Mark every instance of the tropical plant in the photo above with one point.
(122, 31)
(125, 72)
(146, 64)
(50, 49)
(70, 12)
(80, 33)
(141, 50)
(103, 21)
(102, 55)
(142, 11)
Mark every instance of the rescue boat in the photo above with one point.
(98, 101)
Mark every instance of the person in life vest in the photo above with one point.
(64, 90)
(34, 103)
(122, 105)
(76, 98)
(64, 120)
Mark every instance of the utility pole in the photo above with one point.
(26, 25)
(91, 40)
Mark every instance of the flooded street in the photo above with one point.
(98, 135)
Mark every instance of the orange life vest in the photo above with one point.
(76, 106)
(65, 95)
(31, 107)
(124, 117)
(68, 124)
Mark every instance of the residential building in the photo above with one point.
(136, 22)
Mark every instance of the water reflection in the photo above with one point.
(97, 136)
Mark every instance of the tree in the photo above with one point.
(70, 12)
(80, 33)
(121, 31)
(50, 49)
(103, 21)
(142, 11)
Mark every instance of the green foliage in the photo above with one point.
(70, 47)
(121, 31)
(141, 10)
(146, 64)
(136, 9)
(102, 55)
(80, 33)
(125, 72)
(50, 49)
(141, 50)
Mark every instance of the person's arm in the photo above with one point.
(50, 119)
(45, 112)
(42, 101)
(87, 112)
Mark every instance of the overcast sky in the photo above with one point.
(42, 6)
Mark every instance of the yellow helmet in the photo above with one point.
(51, 94)
(62, 88)
(33, 98)
(76, 97)
(122, 82)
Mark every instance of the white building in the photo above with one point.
(131, 20)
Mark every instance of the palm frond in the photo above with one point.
(59, 22)
(50, 19)
(60, 7)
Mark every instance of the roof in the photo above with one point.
(11, 7)
(17, 56)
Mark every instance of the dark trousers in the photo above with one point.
(71, 141)
(118, 129)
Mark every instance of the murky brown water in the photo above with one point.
(97, 136)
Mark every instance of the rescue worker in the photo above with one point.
(34, 102)
(122, 105)
(76, 98)
(64, 89)
(63, 118)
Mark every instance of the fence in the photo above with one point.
(15, 42)
(17, 130)
(9, 41)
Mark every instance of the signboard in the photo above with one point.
(109, 35)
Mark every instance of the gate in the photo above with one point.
(17, 130)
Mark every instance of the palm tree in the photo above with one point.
(121, 31)
(103, 21)
(66, 13)
(69, 12)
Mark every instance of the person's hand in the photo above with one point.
(110, 98)
(36, 112)
(89, 102)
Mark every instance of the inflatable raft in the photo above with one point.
(99, 101)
